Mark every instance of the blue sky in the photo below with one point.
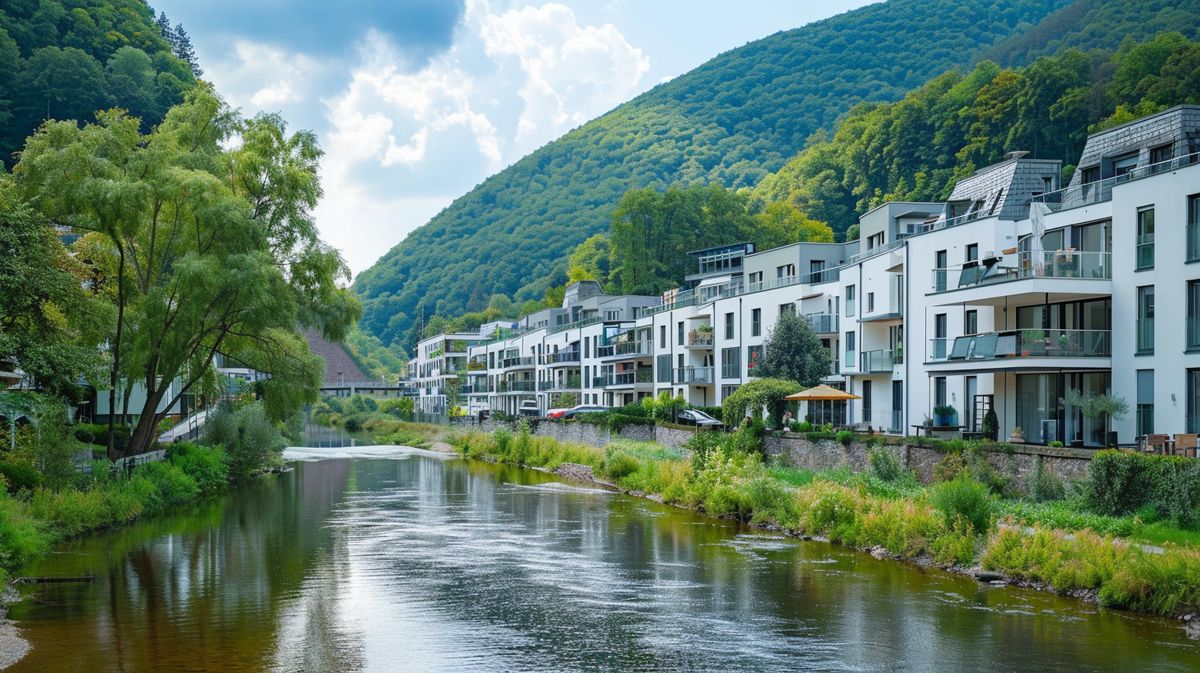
(417, 101)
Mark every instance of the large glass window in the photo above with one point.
(1145, 319)
(939, 271)
(938, 347)
(679, 332)
(731, 363)
(1193, 228)
(728, 325)
(939, 391)
(1192, 388)
(754, 355)
(1193, 315)
(850, 305)
(1038, 405)
(755, 322)
(850, 348)
(1145, 401)
(971, 322)
(1145, 238)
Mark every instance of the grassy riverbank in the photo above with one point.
(955, 523)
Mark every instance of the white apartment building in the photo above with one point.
(954, 304)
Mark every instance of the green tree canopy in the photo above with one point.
(793, 351)
(757, 396)
(210, 250)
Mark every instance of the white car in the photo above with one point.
(698, 418)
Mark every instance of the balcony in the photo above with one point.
(702, 339)
(524, 362)
(1065, 275)
(822, 323)
(1101, 190)
(476, 389)
(568, 358)
(625, 350)
(694, 376)
(563, 384)
(524, 386)
(880, 361)
(631, 378)
(1019, 347)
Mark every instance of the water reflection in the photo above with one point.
(417, 564)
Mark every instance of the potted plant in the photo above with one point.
(944, 415)
(1017, 436)
(1098, 406)
(991, 425)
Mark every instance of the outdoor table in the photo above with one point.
(930, 429)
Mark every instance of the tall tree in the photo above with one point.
(213, 250)
(793, 351)
(181, 44)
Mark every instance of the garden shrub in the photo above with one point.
(1044, 485)
(950, 467)
(206, 465)
(172, 485)
(844, 437)
(966, 498)
(251, 441)
(1120, 482)
(20, 476)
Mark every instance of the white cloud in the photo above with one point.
(259, 77)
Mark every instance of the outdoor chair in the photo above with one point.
(1156, 443)
(1185, 445)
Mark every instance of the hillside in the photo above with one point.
(66, 59)
(732, 121)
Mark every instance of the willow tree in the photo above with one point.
(211, 247)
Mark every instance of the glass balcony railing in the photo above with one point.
(1101, 190)
(561, 358)
(518, 362)
(527, 386)
(823, 323)
(565, 383)
(700, 339)
(938, 349)
(693, 375)
(1026, 343)
(881, 360)
(624, 349)
(1047, 264)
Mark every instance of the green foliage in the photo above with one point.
(793, 351)
(20, 476)
(966, 499)
(1044, 485)
(729, 122)
(389, 363)
(207, 466)
(844, 437)
(885, 465)
(752, 398)
(250, 439)
(65, 59)
(1121, 482)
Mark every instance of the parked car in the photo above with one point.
(555, 413)
(583, 409)
(698, 418)
(528, 408)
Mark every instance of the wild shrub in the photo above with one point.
(172, 485)
(20, 476)
(206, 465)
(828, 509)
(21, 539)
(981, 469)
(251, 441)
(885, 464)
(844, 437)
(1120, 482)
(1044, 485)
(950, 467)
(618, 464)
(955, 545)
(964, 497)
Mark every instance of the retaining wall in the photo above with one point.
(594, 435)
(1019, 464)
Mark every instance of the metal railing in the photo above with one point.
(698, 339)
(525, 386)
(877, 361)
(573, 325)
(627, 378)
(1026, 343)
(624, 349)
(565, 383)
(693, 375)
(876, 251)
(562, 358)
(1079, 264)
(1101, 190)
(518, 362)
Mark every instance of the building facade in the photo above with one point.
(1015, 295)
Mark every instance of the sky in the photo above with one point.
(417, 101)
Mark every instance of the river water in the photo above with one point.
(401, 560)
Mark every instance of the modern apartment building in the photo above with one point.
(1008, 295)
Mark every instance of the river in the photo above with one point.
(402, 560)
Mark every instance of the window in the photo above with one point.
(679, 329)
(754, 355)
(612, 315)
(664, 368)
(731, 363)
(850, 301)
(939, 271)
(815, 269)
(1124, 165)
(850, 349)
(726, 391)
(1193, 316)
(938, 347)
(971, 322)
(785, 271)
(874, 241)
(939, 391)
(1192, 391)
(788, 308)
(756, 322)
(728, 325)
(662, 336)
(1145, 238)
(1145, 401)
(587, 347)
(1158, 155)
(1090, 174)
(973, 252)
(870, 302)
(1145, 320)
(1193, 228)
(756, 279)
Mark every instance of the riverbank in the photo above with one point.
(954, 525)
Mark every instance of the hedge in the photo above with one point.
(1122, 482)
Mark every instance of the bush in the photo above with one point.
(251, 441)
(1044, 485)
(206, 465)
(172, 485)
(20, 476)
(844, 437)
(1121, 482)
(353, 424)
(884, 463)
(950, 467)
(21, 540)
(964, 498)
(97, 433)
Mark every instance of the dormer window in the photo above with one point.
(1124, 165)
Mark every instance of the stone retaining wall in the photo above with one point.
(1019, 464)
(594, 435)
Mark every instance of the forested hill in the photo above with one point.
(731, 121)
(66, 59)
